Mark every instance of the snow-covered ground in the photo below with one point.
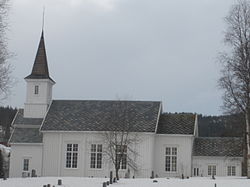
(97, 182)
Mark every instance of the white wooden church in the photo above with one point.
(64, 137)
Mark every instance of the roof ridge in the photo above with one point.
(178, 113)
(218, 137)
(104, 100)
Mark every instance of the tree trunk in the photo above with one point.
(247, 143)
(116, 173)
(244, 163)
(1, 165)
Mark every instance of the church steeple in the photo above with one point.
(39, 85)
(40, 68)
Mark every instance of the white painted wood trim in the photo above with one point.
(45, 115)
(158, 117)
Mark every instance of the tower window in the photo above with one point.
(36, 89)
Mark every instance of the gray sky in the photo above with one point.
(129, 49)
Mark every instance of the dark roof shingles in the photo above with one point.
(20, 120)
(176, 123)
(218, 146)
(73, 115)
(26, 135)
(40, 68)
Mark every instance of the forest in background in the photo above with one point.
(6, 116)
(221, 126)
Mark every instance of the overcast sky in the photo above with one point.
(163, 50)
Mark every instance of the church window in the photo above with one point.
(171, 159)
(25, 164)
(211, 170)
(71, 155)
(36, 89)
(231, 170)
(96, 156)
(121, 156)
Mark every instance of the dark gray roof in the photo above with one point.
(73, 115)
(218, 146)
(26, 135)
(176, 123)
(40, 68)
(20, 120)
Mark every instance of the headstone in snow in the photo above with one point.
(59, 182)
(33, 173)
(104, 184)
(182, 176)
(213, 177)
(152, 175)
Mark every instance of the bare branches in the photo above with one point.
(5, 79)
(235, 79)
(120, 139)
(235, 73)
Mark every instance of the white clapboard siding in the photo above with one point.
(221, 164)
(54, 156)
(184, 154)
(19, 152)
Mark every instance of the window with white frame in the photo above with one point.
(231, 170)
(71, 155)
(96, 156)
(171, 159)
(211, 170)
(26, 164)
(121, 156)
(196, 171)
(36, 89)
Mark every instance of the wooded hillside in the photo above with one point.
(6, 116)
(221, 126)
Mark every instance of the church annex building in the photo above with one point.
(65, 137)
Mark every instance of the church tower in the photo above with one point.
(39, 85)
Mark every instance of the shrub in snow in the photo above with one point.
(4, 160)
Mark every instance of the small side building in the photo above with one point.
(26, 146)
(220, 156)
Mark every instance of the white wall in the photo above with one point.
(221, 163)
(54, 156)
(19, 152)
(184, 154)
(51, 155)
(36, 104)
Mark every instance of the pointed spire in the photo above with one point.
(40, 68)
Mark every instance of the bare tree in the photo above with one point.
(5, 80)
(121, 138)
(235, 73)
